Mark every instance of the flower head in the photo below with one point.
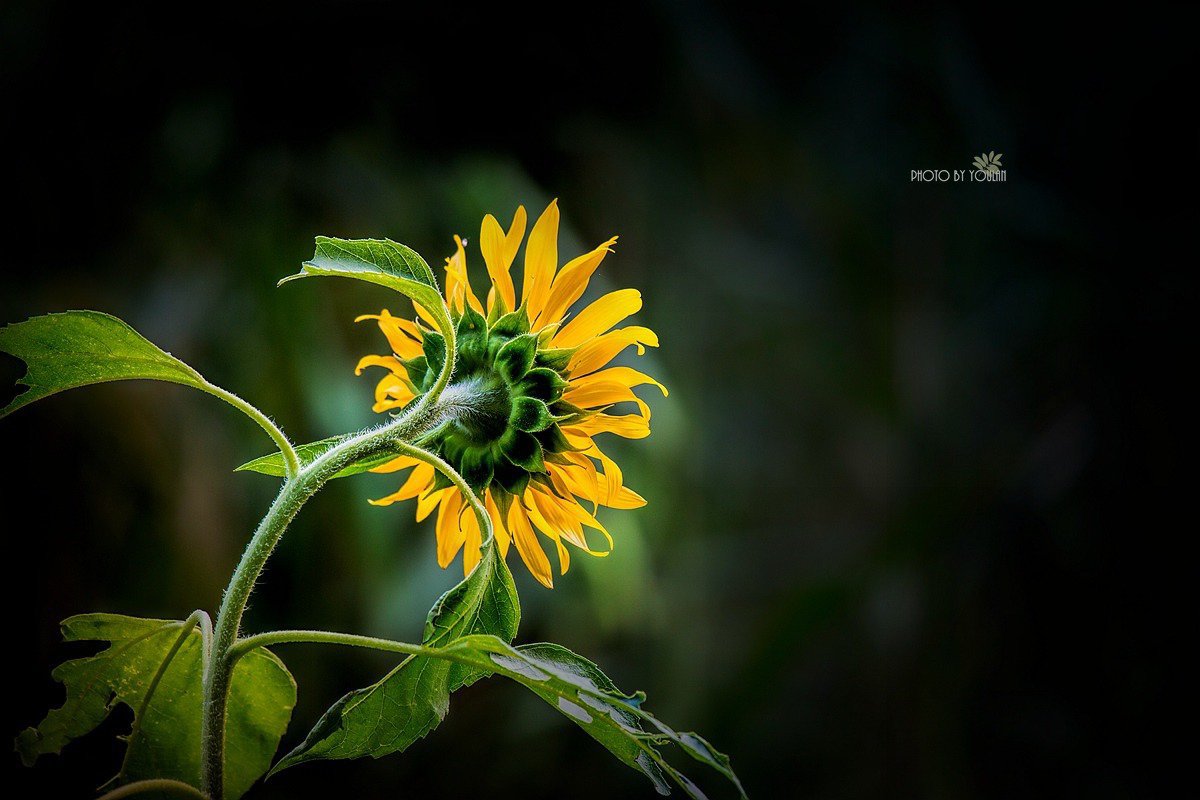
(528, 449)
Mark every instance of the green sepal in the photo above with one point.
(553, 440)
(516, 357)
(434, 346)
(512, 324)
(472, 338)
(418, 371)
(475, 466)
(509, 477)
(555, 358)
(544, 384)
(440, 482)
(503, 501)
(523, 450)
(530, 415)
(497, 311)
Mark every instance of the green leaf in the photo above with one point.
(273, 464)
(379, 261)
(166, 740)
(413, 698)
(78, 348)
(579, 689)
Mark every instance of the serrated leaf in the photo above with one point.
(578, 689)
(379, 261)
(167, 740)
(413, 698)
(79, 348)
(273, 464)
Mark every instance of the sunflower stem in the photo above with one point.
(302, 483)
(438, 463)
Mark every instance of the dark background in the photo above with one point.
(913, 526)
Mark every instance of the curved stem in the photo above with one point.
(287, 504)
(440, 464)
(281, 441)
(299, 487)
(271, 638)
(154, 785)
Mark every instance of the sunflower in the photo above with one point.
(530, 452)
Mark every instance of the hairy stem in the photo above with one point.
(290, 459)
(438, 405)
(438, 463)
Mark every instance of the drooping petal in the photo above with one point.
(472, 538)
(417, 482)
(498, 527)
(622, 375)
(387, 362)
(605, 393)
(599, 317)
(392, 392)
(499, 250)
(564, 518)
(528, 547)
(428, 502)
(396, 464)
(450, 536)
(541, 259)
(630, 426)
(595, 353)
(401, 334)
(570, 283)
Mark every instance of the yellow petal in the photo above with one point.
(499, 250)
(387, 362)
(428, 502)
(626, 498)
(472, 539)
(562, 518)
(599, 317)
(605, 393)
(403, 336)
(417, 482)
(595, 353)
(498, 528)
(570, 283)
(528, 546)
(564, 556)
(396, 464)
(630, 426)
(449, 533)
(425, 315)
(458, 285)
(622, 375)
(392, 392)
(541, 259)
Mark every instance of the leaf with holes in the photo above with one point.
(165, 739)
